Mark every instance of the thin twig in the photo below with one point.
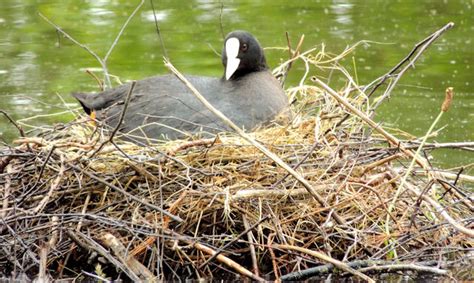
(99, 82)
(162, 43)
(83, 46)
(107, 55)
(227, 261)
(397, 267)
(54, 187)
(417, 52)
(119, 123)
(420, 47)
(253, 254)
(293, 55)
(221, 22)
(103, 62)
(20, 130)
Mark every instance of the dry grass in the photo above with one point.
(67, 214)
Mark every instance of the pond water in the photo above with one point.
(39, 69)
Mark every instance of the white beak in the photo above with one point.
(232, 46)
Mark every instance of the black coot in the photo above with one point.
(162, 107)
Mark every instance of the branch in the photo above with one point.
(408, 266)
(103, 62)
(83, 46)
(417, 51)
(52, 189)
(122, 30)
(128, 260)
(339, 264)
(469, 146)
(22, 133)
(379, 81)
(362, 266)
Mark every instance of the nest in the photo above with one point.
(220, 208)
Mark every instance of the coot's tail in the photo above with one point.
(82, 98)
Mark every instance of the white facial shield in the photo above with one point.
(232, 46)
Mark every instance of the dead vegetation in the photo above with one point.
(77, 204)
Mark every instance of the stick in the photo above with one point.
(396, 267)
(227, 261)
(276, 270)
(140, 248)
(253, 142)
(422, 46)
(469, 146)
(321, 256)
(103, 62)
(53, 188)
(362, 266)
(448, 175)
(122, 30)
(440, 209)
(43, 255)
(120, 251)
(119, 123)
(22, 133)
(99, 82)
(40, 175)
(262, 193)
(293, 55)
(449, 94)
(6, 192)
(220, 250)
(90, 245)
(165, 53)
(83, 46)
(253, 254)
(45, 248)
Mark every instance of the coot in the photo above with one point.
(162, 107)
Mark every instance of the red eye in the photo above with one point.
(244, 47)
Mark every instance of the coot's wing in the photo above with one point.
(162, 107)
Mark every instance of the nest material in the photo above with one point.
(71, 212)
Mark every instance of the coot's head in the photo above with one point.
(242, 55)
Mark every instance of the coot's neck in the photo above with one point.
(239, 74)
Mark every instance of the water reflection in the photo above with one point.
(342, 11)
(24, 70)
(160, 16)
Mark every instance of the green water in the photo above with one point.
(38, 69)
